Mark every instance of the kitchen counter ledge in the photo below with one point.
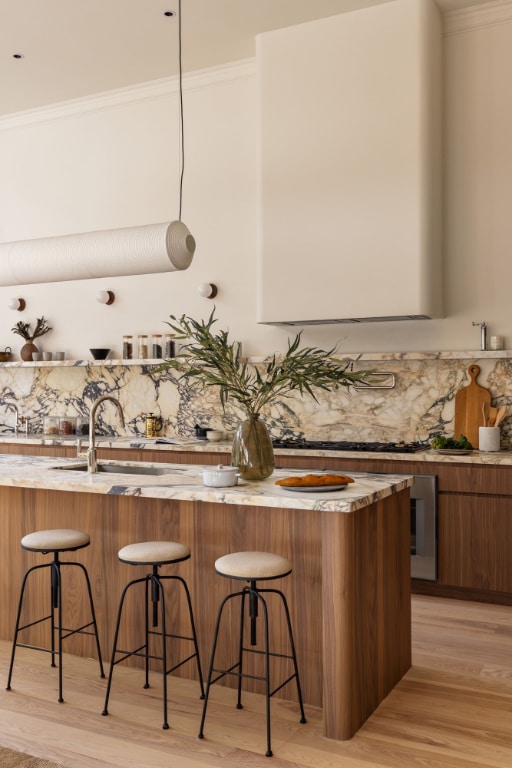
(205, 446)
(184, 483)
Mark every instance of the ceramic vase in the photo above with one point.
(27, 349)
(252, 450)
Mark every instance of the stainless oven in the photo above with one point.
(424, 527)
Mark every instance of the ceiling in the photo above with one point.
(72, 49)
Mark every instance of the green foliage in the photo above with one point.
(23, 329)
(209, 358)
(450, 443)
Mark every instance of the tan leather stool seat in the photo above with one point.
(56, 540)
(253, 566)
(154, 553)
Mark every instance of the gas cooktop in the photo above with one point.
(342, 445)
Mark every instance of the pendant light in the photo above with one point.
(142, 250)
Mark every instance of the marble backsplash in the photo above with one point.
(420, 404)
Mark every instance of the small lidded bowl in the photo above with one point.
(220, 476)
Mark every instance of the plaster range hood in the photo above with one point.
(349, 213)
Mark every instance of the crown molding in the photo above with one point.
(477, 17)
(154, 89)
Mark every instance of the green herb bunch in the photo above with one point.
(23, 329)
(209, 358)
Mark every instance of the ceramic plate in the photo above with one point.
(453, 451)
(313, 488)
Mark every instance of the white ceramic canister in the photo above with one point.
(489, 439)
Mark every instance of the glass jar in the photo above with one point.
(157, 346)
(67, 425)
(82, 425)
(127, 347)
(170, 349)
(51, 425)
(143, 346)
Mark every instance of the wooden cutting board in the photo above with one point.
(468, 408)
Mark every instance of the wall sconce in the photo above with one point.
(105, 297)
(207, 290)
(18, 304)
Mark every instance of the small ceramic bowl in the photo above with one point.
(214, 435)
(99, 354)
(220, 476)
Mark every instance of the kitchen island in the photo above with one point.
(349, 592)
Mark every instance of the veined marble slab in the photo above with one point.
(420, 404)
(184, 482)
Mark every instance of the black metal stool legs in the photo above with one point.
(154, 593)
(255, 598)
(56, 627)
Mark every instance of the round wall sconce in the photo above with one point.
(207, 290)
(18, 304)
(105, 297)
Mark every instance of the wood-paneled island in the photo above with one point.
(349, 592)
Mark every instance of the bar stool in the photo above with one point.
(56, 541)
(155, 554)
(253, 567)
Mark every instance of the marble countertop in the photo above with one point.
(205, 446)
(184, 482)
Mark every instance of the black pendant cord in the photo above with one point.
(182, 136)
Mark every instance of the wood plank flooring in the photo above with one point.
(453, 709)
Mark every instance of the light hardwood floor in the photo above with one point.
(453, 709)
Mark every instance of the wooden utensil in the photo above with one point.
(492, 413)
(468, 408)
(486, 414)
(502, 412)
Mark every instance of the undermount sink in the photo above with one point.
(124, 469)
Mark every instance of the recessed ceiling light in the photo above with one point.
(18, 56)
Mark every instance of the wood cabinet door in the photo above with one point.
(475, 542)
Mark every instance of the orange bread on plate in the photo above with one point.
(314, 481)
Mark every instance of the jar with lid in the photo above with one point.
(51, 425)
(157, 346)
(67, 425)
(143, 346)
(170, 349)
(127, 347)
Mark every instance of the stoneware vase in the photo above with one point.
(27, 349)
(252, 450)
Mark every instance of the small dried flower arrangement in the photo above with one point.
(23, 329)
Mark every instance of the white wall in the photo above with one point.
(113, 162)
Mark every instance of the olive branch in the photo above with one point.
(210, 359)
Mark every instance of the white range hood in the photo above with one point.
(350, 169)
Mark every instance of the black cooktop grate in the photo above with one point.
(345, 445)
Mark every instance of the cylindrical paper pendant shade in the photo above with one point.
(144, 250)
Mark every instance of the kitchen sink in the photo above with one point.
(125, 469)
